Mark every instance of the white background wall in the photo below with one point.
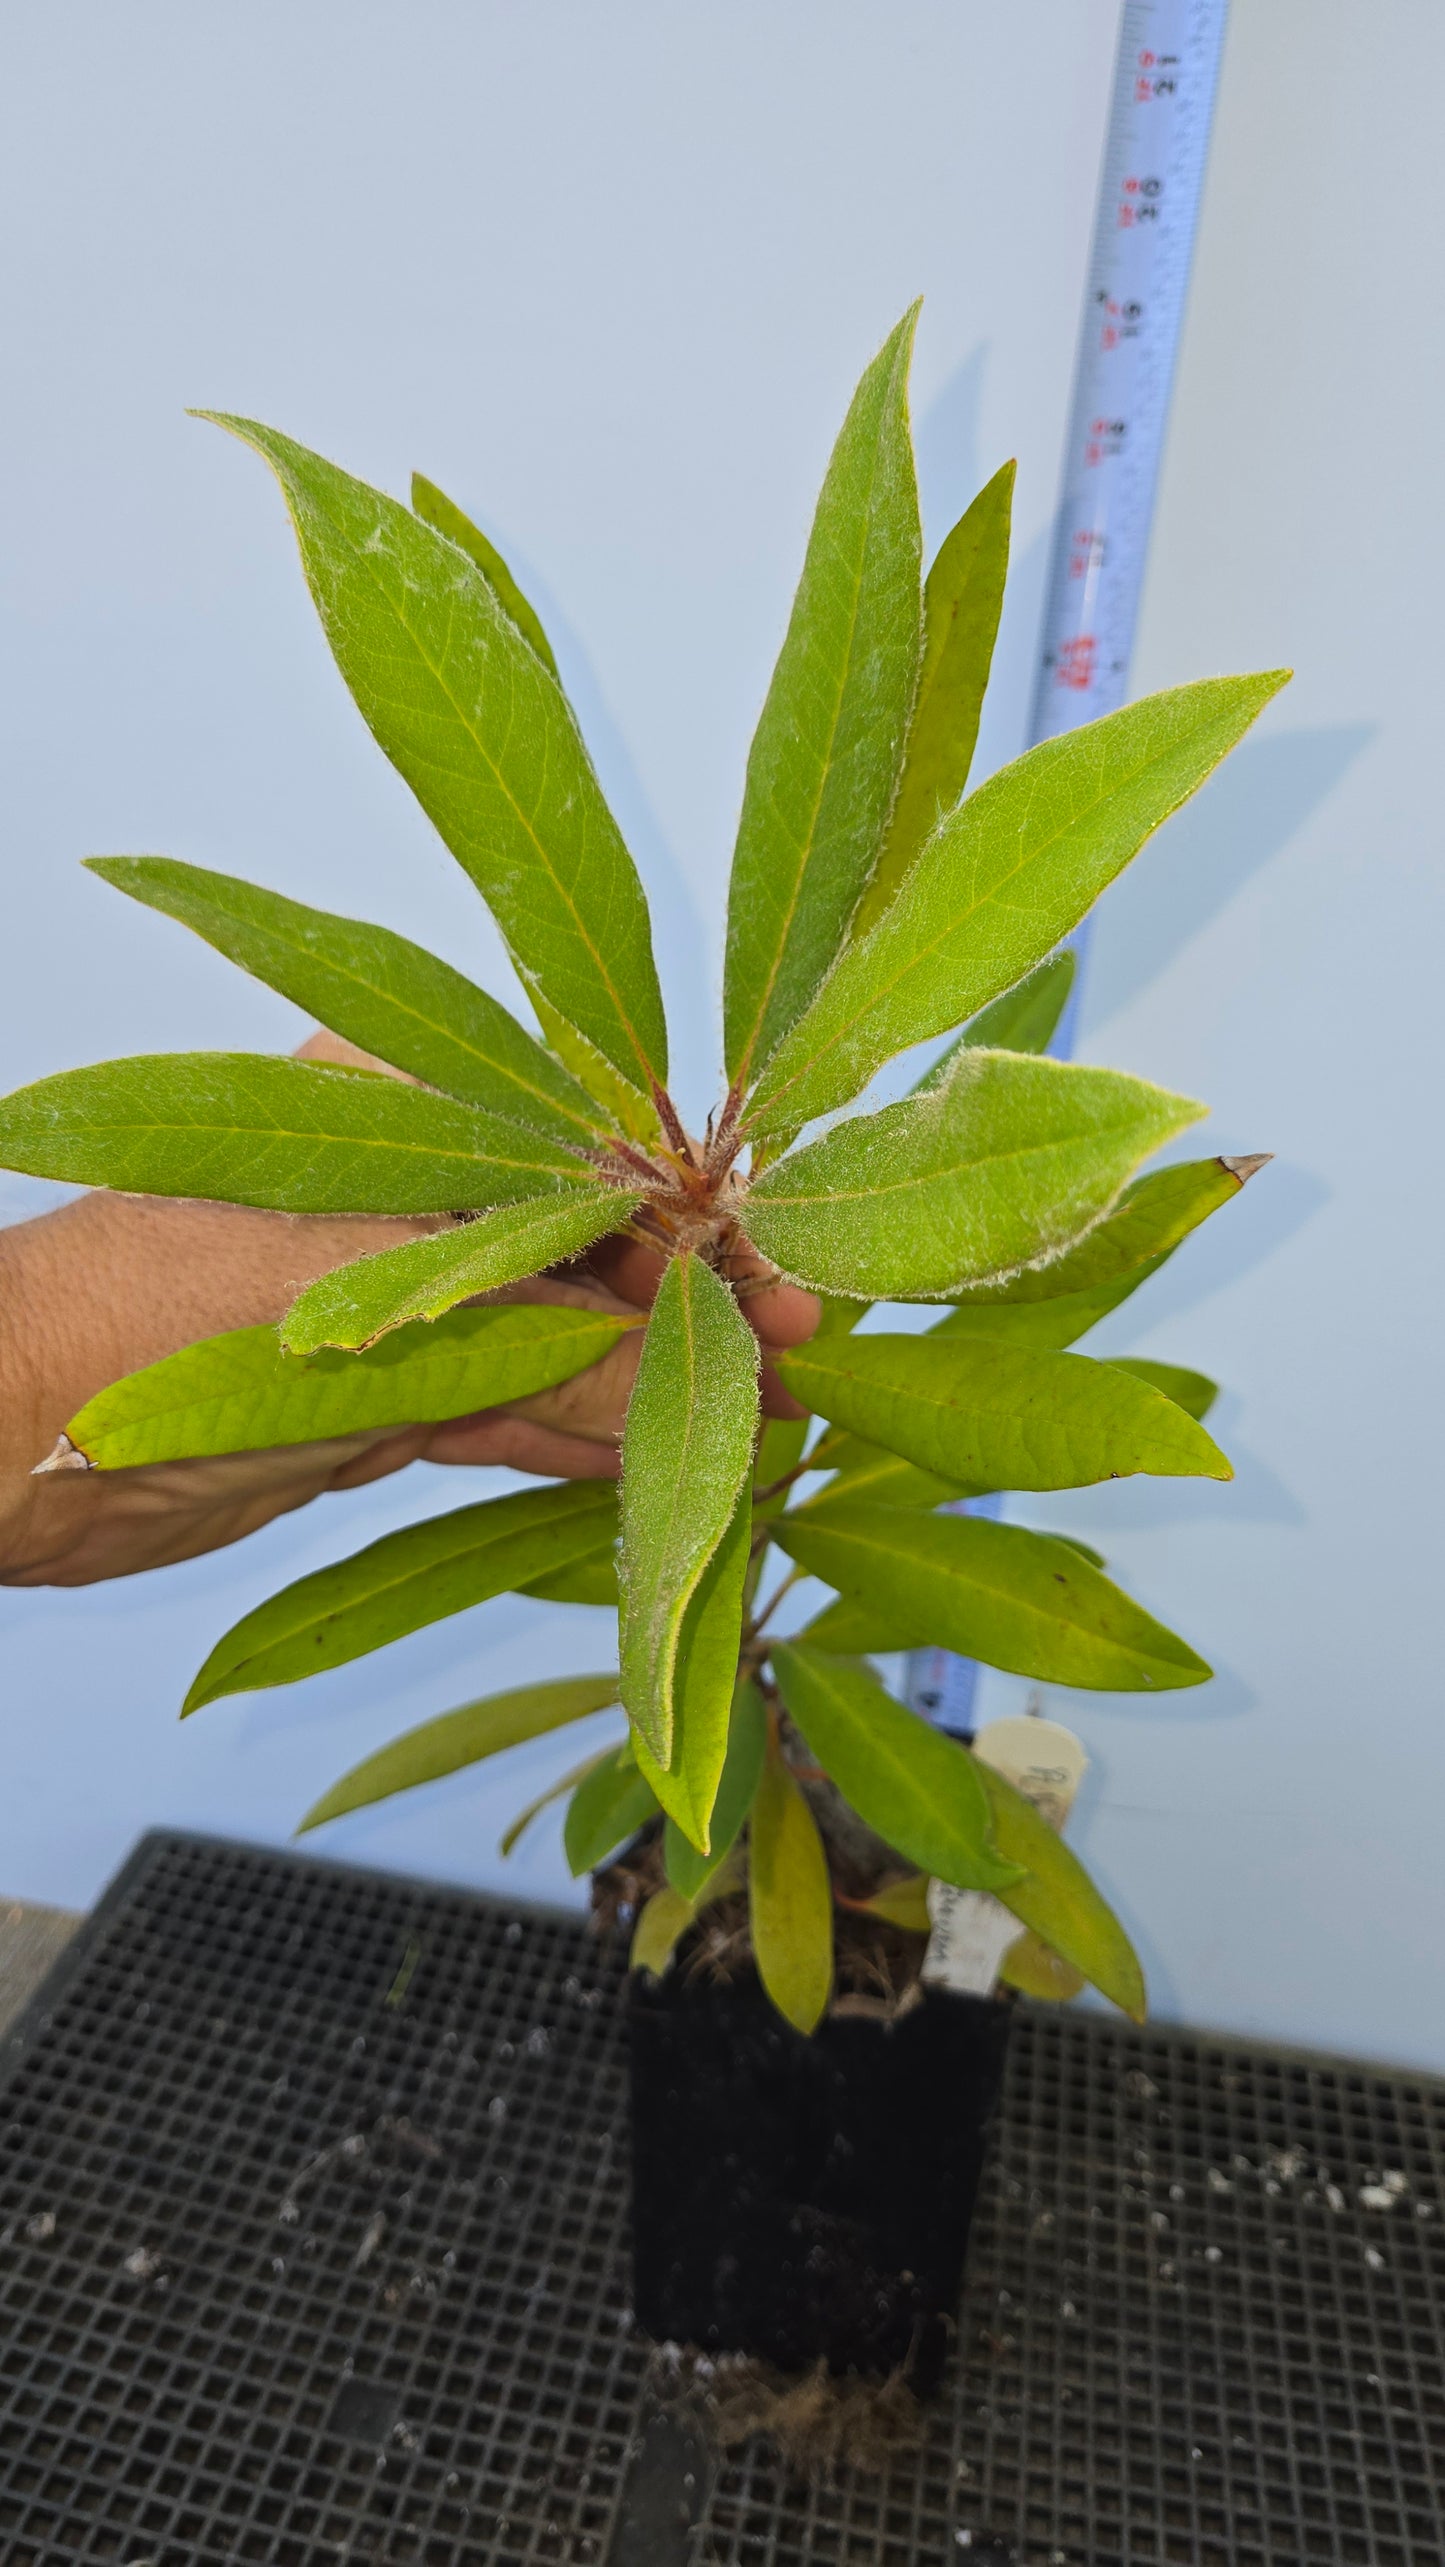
(609, 275)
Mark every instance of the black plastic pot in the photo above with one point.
(805, 2199)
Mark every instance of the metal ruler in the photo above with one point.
(1158, 136)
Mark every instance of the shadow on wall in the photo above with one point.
(1244, 816)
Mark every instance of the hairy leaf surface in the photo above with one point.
(991, 1415)
(999, 883)
(1012, 1599)
(1147, 1223)
(288, 1136)
(475, 721)
(239, 1393)
(824, 761)
(703, 1686)
(687, 1453)
(790, 1898)
(1023, 1020)
(688, 1869)
(1005, 1164)
(437, 510)
(424, 1278)
(921, 1792)
(376, 989)
(962, 601)
(461, 1738)
(402, 1583)
(1057, 1899)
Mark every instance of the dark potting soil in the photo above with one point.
(807, 2200)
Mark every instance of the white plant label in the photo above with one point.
(972, 1930)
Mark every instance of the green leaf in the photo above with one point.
(590, 1580)
(659, 1930)
(824, 760)
(962, 602)
(239, 1393)
(463, 1738)
(689, 1870)
(790, 1898)
(1148, 1222)
(376, 989)
(1195, 1393)
(1002, 1166)
(858, 1627)
(1000, 883)
(289, 1136)
(608, 1806)
(575, 1774)
(476, 723)
(703, 1686)
(865, 1470)
(921, 1792)
(620, 1102)
(424, 1278)
(993, 1416)
(1057, 1900)
(401, 1583)
(903, 1903)
(1013, 1599)
(687, 1453)
(434, 507)
(1023, 1020)
(1035, 1971)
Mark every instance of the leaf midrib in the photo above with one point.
(930, 1177)
(559, 887)
(406, 1008)
(805, 852)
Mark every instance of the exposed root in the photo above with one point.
(817, 2422)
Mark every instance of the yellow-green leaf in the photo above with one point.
(1194, 1392)
(917, 1789)
(1057, 1900)
(824, 762)
(962, 601)
(475, 721)
(987, 1415)
(1000, 883)
(1013, 1599)
(689, 1870)
(240, 1392)
(434, 506)
(424, 1278)
(287, 1136)
(687, 1454)
(790, 1898)
(659, 1929)
(608, 1806)
(403, 1582)
(464, 1737)
(375, 988)
(1035, 1971)
(703, 1686)
(1001, 1167)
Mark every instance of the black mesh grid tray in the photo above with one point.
(312, 2249)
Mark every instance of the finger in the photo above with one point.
(782, 1313)
(628, 1269)
(502, 1441)
(777, 1402)
(337, 1053)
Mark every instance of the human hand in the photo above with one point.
(113, 1282)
